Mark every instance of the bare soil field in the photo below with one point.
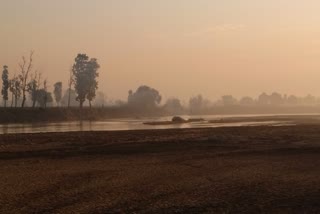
(223, 170)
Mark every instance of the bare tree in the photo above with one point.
(25, 68)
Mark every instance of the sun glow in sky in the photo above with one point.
(180, 47)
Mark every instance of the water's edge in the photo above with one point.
(210, 121)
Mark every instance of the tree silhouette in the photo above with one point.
(58, 92)
(93, 67)
(33, 87)
(173, 105)
(196, 104)
(145, 97)
(228, 100)
(247, 101)
(5, 84)
(15, 89)
(69, 98)
(100, 99)
(71, 81)
(46, 94)
(85, 72)
(43, 97)
(264, 99)
(293, 100)
(276, 99)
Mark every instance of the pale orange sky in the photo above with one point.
(180, 47)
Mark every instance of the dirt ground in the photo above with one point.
(223, 170)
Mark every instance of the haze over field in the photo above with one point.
(180, 47)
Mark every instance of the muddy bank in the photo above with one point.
(224, 170)
(33, 115)
(27, 115)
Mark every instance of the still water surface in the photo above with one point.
(128, 124)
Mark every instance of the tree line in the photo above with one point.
(83, 85)
(29, 81)
(148, 98)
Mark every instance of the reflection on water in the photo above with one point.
(125, 124)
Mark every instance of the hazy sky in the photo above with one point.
(180, 47)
